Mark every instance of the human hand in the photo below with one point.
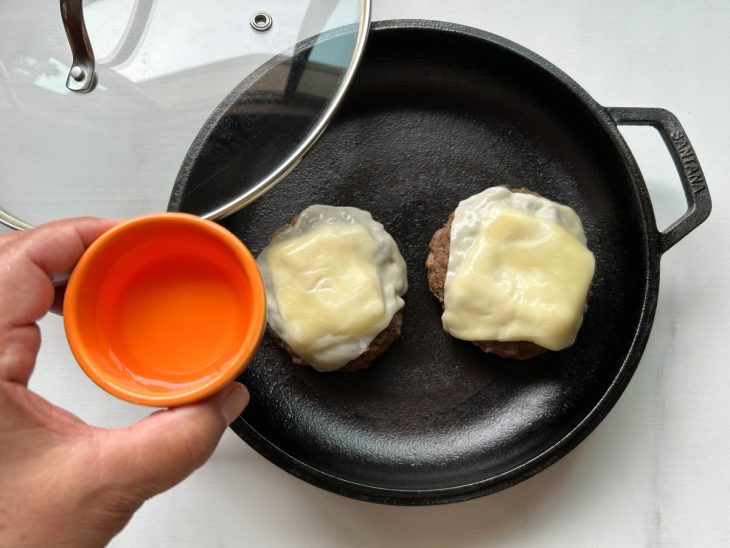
(62, 481)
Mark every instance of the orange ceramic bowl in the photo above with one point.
(165, 309)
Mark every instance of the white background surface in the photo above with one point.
(655, 472)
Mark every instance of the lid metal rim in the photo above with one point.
(13, 222)
(293, 159)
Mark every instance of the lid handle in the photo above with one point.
(81, 77)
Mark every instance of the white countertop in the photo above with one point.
(655, 472)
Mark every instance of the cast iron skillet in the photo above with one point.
(437, 113)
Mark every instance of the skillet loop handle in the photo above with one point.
(699, 203)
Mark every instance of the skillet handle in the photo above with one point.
(699, 203)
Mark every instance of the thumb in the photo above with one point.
(161, 450)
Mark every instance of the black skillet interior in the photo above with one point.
(434, 117)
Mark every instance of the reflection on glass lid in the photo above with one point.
(272, 73)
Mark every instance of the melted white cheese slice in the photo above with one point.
(519, 270)
(333, 282)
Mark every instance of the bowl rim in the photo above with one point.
(236, 364)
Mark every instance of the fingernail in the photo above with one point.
(234, 402)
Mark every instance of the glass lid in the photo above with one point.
(107, 104)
